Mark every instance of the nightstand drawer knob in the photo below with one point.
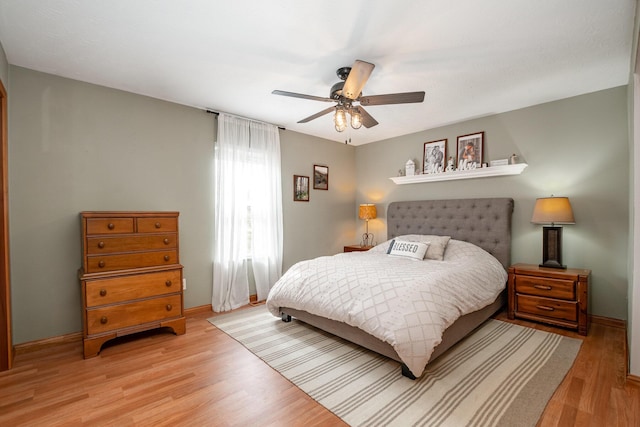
(103, 292)
(101, 245)
(166, 257)
(543, 287)
(166, 241)
(169, 307)
(103, 320)
(157, 225)
(168, 283)
(111, 226)
(545, 308)
(101, 264)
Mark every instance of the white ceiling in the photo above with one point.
(472, 58)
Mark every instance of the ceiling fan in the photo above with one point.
(349, 91)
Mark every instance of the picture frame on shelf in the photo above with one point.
(300, 188)
(470, 150)
(434, 156)
(320, 177)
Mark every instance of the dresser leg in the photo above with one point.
(92, 346)
(179, 326)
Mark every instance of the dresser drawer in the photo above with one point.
(119, 289)
(545, 287)
(119, 316)
(109, 225)
(156, 225)
(545, 307)
(104, 244)
(97, 263)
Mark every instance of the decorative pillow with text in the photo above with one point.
(413, 250)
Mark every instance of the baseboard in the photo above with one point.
(253, 299)
(31, 346)
(36, 345)
(608, 321)
(192, 311)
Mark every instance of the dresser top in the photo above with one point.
(112, 214)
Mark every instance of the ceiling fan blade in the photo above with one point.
(358, 76)
(301, 95)
(316, 115)
(392, 98)
(367, 120)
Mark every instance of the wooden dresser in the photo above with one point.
(131, 275)
(558, 297)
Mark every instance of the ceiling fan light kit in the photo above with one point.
(348, 91)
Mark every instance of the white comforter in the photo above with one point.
(403, 302)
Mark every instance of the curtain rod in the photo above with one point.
(216, 113)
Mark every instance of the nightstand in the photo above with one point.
(555, 296)
(356, 248)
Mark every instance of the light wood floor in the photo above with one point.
(206, 378)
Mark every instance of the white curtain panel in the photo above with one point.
(246, 172)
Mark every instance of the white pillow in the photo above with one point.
(413, 250)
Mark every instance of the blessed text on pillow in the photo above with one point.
(413, 250)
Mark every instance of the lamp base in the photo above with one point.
(367, 239)
(552, 247)
(552, 264)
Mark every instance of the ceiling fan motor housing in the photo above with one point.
(336, 90)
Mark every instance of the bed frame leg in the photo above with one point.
(407, 373)
(285, 317)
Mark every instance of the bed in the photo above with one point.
(470, 223)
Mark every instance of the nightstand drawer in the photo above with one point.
(544, 287)
(555, 309)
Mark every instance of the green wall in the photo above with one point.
(75, 146)
(576, 147)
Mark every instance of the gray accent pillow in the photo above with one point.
(437, 246)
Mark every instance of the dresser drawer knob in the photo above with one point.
(169, 307)
(543, 287)
(157, 225)
(101, 264)
(111, 226)
(168, 283)
(545, 307)
(166, 241)
(101, 245)
(103, 320)
(166, 257)
(103, 292)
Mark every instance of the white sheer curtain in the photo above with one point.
(248, 211)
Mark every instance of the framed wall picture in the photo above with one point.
(470, 148)
(320, 177)
(434, 155)
(300, 188)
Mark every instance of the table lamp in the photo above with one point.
(367, 212)
(552, 210)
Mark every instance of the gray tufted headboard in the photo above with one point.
(483, 222)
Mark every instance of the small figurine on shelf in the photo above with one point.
(450, 167)
(513, 159)
(410, 168)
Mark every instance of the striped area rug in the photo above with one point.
(501, 375)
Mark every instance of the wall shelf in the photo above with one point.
(475, 173)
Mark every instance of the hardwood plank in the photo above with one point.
(205, 377)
